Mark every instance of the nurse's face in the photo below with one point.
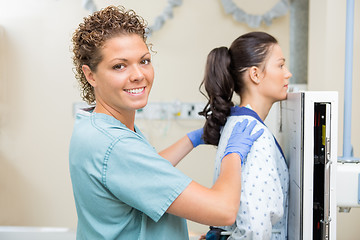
(275, 80)
(123, 79)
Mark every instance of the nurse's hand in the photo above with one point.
(196, 137)
(240, 141)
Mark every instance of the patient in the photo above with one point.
(254, 68)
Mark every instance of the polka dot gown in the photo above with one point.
(264, 182)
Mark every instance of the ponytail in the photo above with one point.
(224, 75)
(219, 86)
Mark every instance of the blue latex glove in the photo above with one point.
(196, 137)
(240, 141)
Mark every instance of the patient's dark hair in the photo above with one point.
(224, 72)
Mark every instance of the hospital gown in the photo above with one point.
(264, 183)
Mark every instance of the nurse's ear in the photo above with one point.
(89, 75)
(254, 74)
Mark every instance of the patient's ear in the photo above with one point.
(89, 75)
(254, 74)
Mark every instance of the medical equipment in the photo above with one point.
(348, 182)
(310, 122)
(348, 186)
(319, 180)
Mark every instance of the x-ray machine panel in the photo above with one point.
(309, 123)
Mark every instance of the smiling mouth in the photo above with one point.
(135, 90)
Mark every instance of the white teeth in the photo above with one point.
(135, 90)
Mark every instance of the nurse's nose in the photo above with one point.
(136, 74)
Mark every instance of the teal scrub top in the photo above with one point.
(122, 187)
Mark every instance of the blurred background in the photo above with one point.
(38, 91)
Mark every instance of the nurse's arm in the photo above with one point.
(216, 206)
(176, 152)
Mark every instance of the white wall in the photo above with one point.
(38, 88)
(36, 94)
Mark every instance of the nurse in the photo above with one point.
(123, 188)
(253, 68)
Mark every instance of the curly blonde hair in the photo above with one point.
(89, 38)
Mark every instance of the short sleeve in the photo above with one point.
(138, 176)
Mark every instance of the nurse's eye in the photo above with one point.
(146, 61)
(118, 66)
